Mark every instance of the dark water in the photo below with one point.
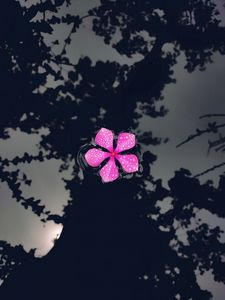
(154, 234)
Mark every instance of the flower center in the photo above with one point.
(113, 153)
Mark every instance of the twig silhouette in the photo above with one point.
(72, 30)
(211, 116)
(210, 169)
(212, 127)
(220, 147)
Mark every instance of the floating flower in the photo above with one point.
(104, 138)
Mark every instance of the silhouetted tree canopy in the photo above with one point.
(117, 243)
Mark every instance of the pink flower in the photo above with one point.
(104, 138)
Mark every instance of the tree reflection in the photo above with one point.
(116, 242)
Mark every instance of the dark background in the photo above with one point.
(120, 239)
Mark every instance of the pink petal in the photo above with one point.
(104, 138)
(125, 141)
(110, 171)
(94, 157)
(128, 162)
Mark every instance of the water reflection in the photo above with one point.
(123, 238)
